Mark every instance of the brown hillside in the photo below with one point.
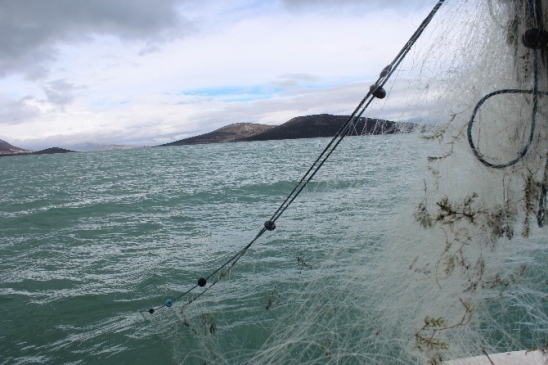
(228, 133)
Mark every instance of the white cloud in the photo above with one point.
(112, 79)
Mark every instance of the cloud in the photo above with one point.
(344, 5)
(31, 30)
(127, 73)
(294, 79)
(59, 92)
(17, 111)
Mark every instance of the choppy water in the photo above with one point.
(87, 240)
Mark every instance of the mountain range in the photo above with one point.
(309, 126)
(6, 148)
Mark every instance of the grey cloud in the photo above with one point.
(294, 79)
(59, 92)
(30, 30)
(18, 111)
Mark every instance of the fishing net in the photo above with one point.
(456, 269)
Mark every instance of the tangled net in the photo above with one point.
(461, 268)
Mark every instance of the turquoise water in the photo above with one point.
(88, 240)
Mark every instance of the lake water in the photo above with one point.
(90, 241)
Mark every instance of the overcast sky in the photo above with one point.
(141, 72)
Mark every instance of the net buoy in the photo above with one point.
(202, 282)
(270, 225)
(535, 38)
(377, 91)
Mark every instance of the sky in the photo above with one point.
(141, 72)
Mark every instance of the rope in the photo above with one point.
(376, 90)
(538, 40)
(356, 114)
(535, 11)
(525, 149)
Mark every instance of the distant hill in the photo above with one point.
(51, 151)
(47, 151)
(228, 133)
(326, 125)
(310, 126)
(91, 146)
(6, 148)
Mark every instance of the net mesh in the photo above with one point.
(461, 271)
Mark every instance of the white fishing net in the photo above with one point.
(461, 270)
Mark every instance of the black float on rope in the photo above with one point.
(202, 282)
(535, 38)
(270, 225)
(385, 71)
(377, 91)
